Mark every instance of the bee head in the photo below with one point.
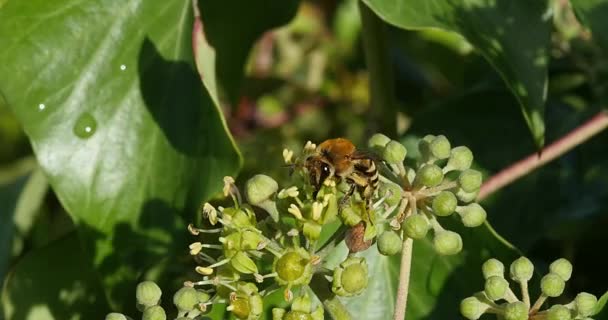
(318, 171)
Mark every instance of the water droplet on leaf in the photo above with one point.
(85, 126)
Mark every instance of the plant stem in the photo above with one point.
(336, 309)
(522, 167)
(377, 59)
(404, 279)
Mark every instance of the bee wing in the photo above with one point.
(365, 154)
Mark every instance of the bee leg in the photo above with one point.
(346, 197)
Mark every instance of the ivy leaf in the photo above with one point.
(513, 35)
(131, 142)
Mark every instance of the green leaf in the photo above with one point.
(601, 302)
(513, 35)
(233, 41)
(437, 283)
(592, 14)
(54, 282)
(108, 93)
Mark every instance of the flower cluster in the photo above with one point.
(498, 298)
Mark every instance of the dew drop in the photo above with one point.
(85, 126)
(123, 67)
(41, 106)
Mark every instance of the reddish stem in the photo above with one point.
(524, 166)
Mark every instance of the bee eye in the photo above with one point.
(325, 168)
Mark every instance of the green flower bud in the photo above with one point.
(312, 230)
(260, 191)
(351, 215)
(154, 313)
(185, 299)
(243, 264)
(394, 152)
(278, 313)
(250, 240)
(389, 243)
(471, 308)
(444, 204)
(447, 242)
(147, 294)
(466, 197)
(559, 312)
(297, 315)
(461, 158)
(429, 175)
(470, 180)
(116, 316)
(202, 296)
(521, 270)
(350, 277)
(493, 267)
(301, 303)
(395, 193)
(293, 267)
(440, 147)
(377, 142)
(424, 146)
(496, 287)
(239, 218)
(416, 226)
(516, 311)
(552, 285)
(562, 268)
(473, 215)
(584, 304)
(248, 303)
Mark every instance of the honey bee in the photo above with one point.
(338, 158)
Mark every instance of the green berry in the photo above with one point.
(147, 294)
(377, 142)
(496, 287)
(394, 152)
(471, 308)
(440, 147)
(521, 270)
(493, 267)
(461, 158)
(561, 267)
(516, 311)
(389, 243)
(470, 180)
(473, 215)
(350, 277)
(154, 313)
(116, 316)
(260, 188)
(559, 312)
(447, 242)
(585, 303)
(290, 266)
(552, 285)
(444, 204)
(185, 299)
(416, 226)
(429, 175)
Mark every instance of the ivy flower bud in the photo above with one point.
(301, 303)
(562, 268)
(185, 299)
(394, 152)
(440, 147)
(466, 197)
(521, 270)
(552, 285)
(350, 277)
(389, 243)
(416, 226)
(493, 267)
(470, 180)
(312, 230)
(287, 156)
(471, 308)
(559, 312)
(293, 267)
(447, 242)
(243, 264)
(289, 192)
(584, 304)
(116, 316)
(250, 240)
(496, 287)
(377, 142)
(154, 313)
(147, 294)
(260, 191)
(516, 311)
(461, 158)
(444, 204)
(238, 218)
(247, 302)
(473, 215)
(393, 192)
(429, 175)
(424, 146)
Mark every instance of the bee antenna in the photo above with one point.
(292, 168)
